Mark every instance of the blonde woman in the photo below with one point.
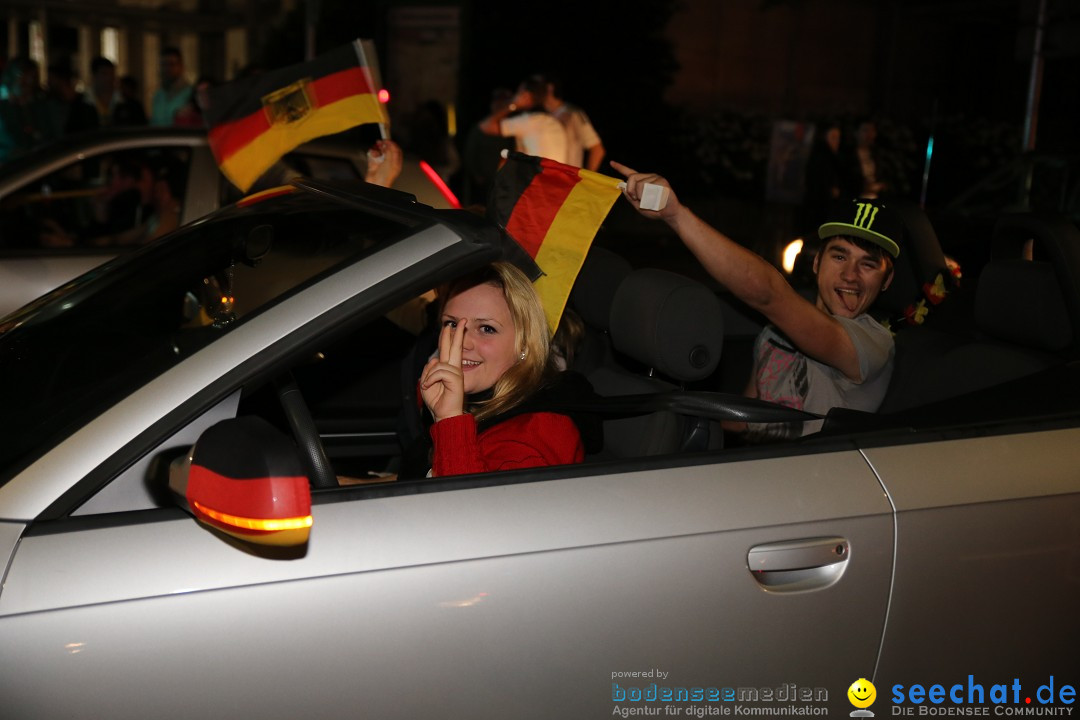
(493, 390)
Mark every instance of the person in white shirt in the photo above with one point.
(585, 148)
(524, 118)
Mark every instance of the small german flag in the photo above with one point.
(253, 122)
(553, 211)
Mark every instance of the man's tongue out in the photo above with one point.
(850, 298)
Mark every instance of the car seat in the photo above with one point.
(591, 298)
(1026, 316)
(920, 267)
(924, 305)
(673, 327)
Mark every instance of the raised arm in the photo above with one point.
(752, 279)
(594, 156)
(492, 124)
(385, 161)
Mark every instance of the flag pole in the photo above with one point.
(371, 69)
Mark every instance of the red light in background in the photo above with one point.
(384, 95)
(439, 183)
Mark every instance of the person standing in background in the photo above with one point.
(101, 92)
(129, 110)
(584, 148)
(25, 119)
(525, 119)
(192, 112)
(70, 111)
(175, 91)
(866, 163)
(483, 154)
(827, 177)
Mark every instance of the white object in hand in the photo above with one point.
(654, 197)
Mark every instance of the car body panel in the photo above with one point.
(515, 519)
(995, 546)
(9, 538)
(997, 468)
(33, 276)
(587, 576)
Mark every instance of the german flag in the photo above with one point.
(553, 211)
(255, 121)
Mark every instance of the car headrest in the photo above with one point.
(1056, 241)
(921, 259)
(1020, 301)
(594, 291)
(671, 323)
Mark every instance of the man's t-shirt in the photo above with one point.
(580, 133)
(166, 103)
(785, 376)
(537, 133)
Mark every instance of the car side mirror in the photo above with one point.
(243, 477)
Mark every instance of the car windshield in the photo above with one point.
(92, 342)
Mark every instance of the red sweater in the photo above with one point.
(526, 440)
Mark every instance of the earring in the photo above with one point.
(522, 355)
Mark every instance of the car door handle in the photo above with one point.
(798, 565)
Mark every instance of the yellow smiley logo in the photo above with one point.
(862, 693)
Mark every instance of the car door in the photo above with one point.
(738, 580)
(988, 544)
(557, 597)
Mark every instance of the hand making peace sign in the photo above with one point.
(442, 383)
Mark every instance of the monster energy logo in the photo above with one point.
(864, 215)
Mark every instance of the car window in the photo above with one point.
(80, 349)
(352, 387)
(106, 201)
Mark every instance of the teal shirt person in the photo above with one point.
(175, 91)
(167, 102)
(25, 117)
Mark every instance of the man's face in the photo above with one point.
(832, 139)
(171, 69)
(849, 278)
(105, 80)
(524, 99)
(866, 134)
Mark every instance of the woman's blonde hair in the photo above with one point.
(529, 374)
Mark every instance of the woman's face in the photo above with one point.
(488, 349)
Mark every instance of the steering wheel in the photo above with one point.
(312, 453)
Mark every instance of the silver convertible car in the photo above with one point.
(931, 551)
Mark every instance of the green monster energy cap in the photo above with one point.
(867, 219)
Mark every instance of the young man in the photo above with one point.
(814, 355)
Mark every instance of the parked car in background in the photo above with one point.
(64, 210)
(937, 545)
